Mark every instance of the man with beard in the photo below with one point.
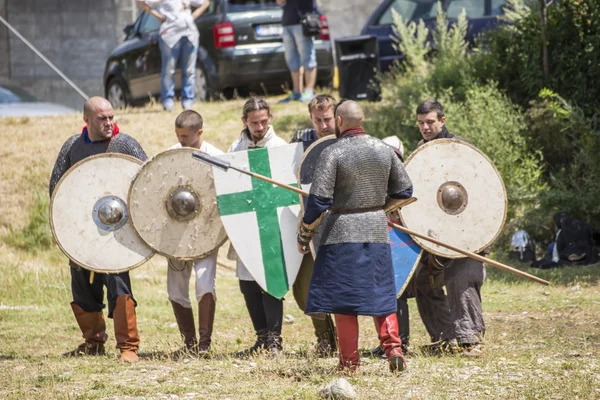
(320, 110)
(266, 311)
(353, 273)
(454, 320)
(100, 135)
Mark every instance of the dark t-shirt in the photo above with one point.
(294, 8)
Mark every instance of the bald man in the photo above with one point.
(100, 135)
(353, 273)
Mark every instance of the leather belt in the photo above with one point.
(353, 210)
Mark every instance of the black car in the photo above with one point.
(481, 16)
(240, 48)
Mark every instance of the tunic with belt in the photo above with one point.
(353, 271)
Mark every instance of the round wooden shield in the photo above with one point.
(89, 217)
(173, 206)
(462, 198)
(305, 175)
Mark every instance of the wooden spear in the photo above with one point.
(224, 165)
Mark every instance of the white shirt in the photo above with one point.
(245, 143)
(205, 147)
(179, 22)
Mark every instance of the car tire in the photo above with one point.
(202, 88)
(117, 93)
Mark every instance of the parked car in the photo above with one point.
(240, 48)
(481, 16)
(16, 102)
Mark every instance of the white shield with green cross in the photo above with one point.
(260, 218)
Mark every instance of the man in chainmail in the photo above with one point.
(454, 319)
(100, 135)
(266, 311)
(320, 110)
(353, 273)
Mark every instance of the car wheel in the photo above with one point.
(116, 93)
(202, 90)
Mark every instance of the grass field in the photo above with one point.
(541, 342)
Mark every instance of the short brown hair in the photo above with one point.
(431, 105)
(321, 102)
(189, 119)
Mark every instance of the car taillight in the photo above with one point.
(324, 33)
(224, 35)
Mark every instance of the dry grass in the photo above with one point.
(542, 342)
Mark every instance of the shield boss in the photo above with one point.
(173, 206)
(89, 218)
(462, 199)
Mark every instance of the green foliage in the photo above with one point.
(571, 149)
(476, 110)
(573, 40)
(36, 236)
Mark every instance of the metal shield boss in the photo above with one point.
(461, 197)
(260, 218)
(173, 206)
(89, 217)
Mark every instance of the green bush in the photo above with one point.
(573, 41)
(475, 109)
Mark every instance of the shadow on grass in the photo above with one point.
(565, 275)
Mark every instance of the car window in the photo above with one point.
(149, 24)
(474, 8)
(14, 95)
(498, 7)
(409, 10)
(245, 5)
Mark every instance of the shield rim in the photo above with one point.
(50, 216)
(298, 178)
(424, 243)
(162, 253)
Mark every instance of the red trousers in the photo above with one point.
(347, 332)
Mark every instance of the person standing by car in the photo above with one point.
(178, 42)
(299, 49)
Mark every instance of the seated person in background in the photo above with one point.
(574, 242)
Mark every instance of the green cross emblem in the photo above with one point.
(264, 199)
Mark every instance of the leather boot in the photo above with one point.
(185, 321)
(274, 344)
(347, 332)
(260, 344)
(93, 329)
(126, 332)
(387, 327)
(206, 319)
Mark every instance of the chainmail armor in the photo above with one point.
(358, 173)
(76, 149)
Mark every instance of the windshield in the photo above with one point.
(11, 94)
(247, 5)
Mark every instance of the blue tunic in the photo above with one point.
(353, 279)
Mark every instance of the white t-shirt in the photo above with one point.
(179, 22)
(205, 147)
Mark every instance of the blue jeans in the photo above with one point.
(299, 49)
(183, 53)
